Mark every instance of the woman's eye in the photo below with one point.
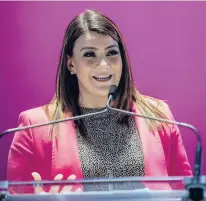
(112, 53)
(89, 54)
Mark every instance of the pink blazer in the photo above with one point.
(33, 151)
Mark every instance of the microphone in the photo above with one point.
(195, 193)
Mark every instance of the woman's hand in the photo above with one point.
(54, 188)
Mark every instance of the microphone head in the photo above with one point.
(113, 91)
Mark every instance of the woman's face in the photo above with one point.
(97, 63)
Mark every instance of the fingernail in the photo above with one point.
(34, 174)
(72, 177)
(59, 176)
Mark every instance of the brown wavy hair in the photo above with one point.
(65, 101)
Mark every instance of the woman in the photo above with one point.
(93, 58)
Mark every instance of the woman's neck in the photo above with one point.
(92, 102)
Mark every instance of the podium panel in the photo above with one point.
(139, 195)
(116, 189)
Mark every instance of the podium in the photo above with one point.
(115, 189)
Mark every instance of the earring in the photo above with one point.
(72, 73)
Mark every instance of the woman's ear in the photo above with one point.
(70, 65)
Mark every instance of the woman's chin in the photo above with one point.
(101, 92)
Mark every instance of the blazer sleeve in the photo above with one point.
(20, 158)
(179, 163)
(178, 160)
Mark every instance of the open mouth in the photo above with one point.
(102, 78)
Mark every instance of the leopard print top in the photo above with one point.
(110, 150)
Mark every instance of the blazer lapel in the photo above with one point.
(154, 157)
(65, 156)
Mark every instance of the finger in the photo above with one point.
(55, 188)
(71, 177)
(68, 188)
(37, 177)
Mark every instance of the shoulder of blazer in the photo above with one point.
(35, 115)
(171, 129)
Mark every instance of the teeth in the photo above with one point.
(102, 77)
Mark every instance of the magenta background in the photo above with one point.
(166, 43)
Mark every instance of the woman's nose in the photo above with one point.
(104, 63)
